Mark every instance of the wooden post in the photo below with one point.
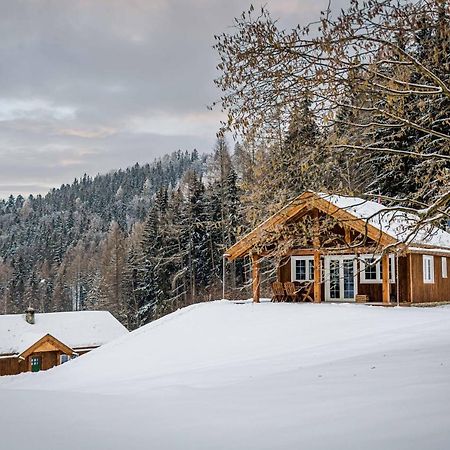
(317, 289)
(347, 235)
(385, 278)
(316, 245)
(256, 278)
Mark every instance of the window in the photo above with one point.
(372, 270)
(428, 269)
(444, 267)
(64, 358)
(302, 268)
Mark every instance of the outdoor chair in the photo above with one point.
(278, 294)
(292, 292)
(299, 292)
(306, 292)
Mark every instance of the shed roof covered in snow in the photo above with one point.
(76, 329)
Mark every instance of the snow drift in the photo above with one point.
(228, 375)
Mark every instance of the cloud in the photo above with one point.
(88, 86)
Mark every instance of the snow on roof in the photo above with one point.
(397, 224)
(76, 329)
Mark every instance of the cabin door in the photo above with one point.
(36, 363)
(340, 278)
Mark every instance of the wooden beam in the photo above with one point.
(317, 285)
(347, 235)
(256, 278)
(316, 245)
(334, 251)
(385, 278)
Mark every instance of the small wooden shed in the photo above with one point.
(33, 342)
(350, 249)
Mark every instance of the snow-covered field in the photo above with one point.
(227, 375)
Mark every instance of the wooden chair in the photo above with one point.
(292, 291)
(299, 293)
(306, 292)
(278, 294)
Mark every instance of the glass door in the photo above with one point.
(334, 279)
(340, 278)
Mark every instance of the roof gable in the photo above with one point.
(45, 344)
(374, 220)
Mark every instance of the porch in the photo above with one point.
(318, 276)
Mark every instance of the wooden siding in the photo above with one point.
(12, 366)
(48, 349)
(439, 291)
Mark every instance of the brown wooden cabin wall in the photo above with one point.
(284, 272)
(48, 359)
(374, 290)
(12, 366)
(403, 279)
(439, 291)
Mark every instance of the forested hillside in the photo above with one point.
(125, 241)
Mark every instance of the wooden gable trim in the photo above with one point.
(298, 207)
(42, 345)
(291, 210)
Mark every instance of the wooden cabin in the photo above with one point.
(349, 249)
(33, 342)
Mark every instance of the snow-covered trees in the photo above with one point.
(139, 243)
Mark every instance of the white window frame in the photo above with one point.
(444, 267)
(308, 276)
(61, 358)
(425, 260)
(379, 275)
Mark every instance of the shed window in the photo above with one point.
(372, 271)
(63, 359)
(428, 269)
(444, 267)
(302, 268)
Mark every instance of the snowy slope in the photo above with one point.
(244, 376)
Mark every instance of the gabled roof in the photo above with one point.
(47, 341)
(378, 222)
(77, 329)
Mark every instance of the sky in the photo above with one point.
(88, 86)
